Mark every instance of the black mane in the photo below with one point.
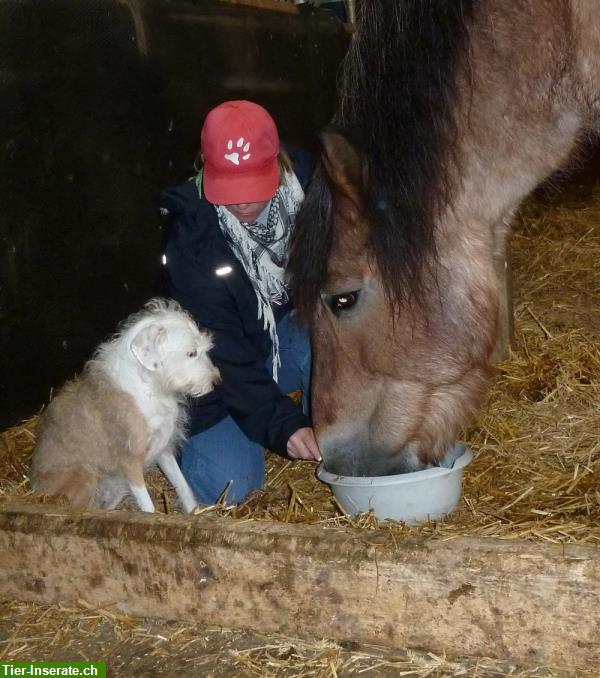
(399, 102)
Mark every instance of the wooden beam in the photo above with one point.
(467, 597)
(272, 5)
(505, 335)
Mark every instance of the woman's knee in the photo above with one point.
(295, 354)
(222, 462)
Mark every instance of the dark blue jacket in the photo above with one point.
(228, 307)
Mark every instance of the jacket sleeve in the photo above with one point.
(247, 389)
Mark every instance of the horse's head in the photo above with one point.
(393, 255)
(397, 370)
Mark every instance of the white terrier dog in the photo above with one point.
(125, 412)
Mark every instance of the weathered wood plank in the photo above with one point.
(272, 5)
(505, 335)
(466, 596)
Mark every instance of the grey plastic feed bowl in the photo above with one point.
(410, 497)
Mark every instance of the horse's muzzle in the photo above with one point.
(358, 458)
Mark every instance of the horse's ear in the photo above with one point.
(344, 166)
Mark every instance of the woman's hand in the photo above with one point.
(303, 445)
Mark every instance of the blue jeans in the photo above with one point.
(210, 459)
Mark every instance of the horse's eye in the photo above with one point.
(193, 354)
(338, 303)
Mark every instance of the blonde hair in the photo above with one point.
(285, 165)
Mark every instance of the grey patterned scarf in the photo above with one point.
(262, 249)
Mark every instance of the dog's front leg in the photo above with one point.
(134, 473)
(169, 466)
(142, 497)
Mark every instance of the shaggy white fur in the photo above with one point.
(125, 412)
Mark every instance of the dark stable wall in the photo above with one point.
(101, 103)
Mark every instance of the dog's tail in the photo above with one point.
(77, 484)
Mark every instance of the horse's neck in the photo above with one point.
(527, 109)
(586, 26)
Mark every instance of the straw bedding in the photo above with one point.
(166, 649)
(535, 476)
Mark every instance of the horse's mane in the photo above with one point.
(399, 94)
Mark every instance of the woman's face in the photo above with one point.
(247, 212)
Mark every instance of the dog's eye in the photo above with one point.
(193, 354)
(339, 303)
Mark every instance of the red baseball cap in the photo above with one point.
(240, 145)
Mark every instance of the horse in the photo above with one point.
(450, 114)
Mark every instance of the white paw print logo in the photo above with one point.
(234, 156)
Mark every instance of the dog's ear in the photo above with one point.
(146, 346)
